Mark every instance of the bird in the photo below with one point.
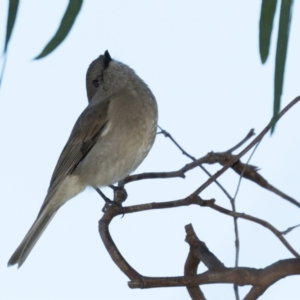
(109, 140)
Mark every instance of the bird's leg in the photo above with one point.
(106, 199)
(108, 202)
(120, 195)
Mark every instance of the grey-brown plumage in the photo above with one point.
(110, 139)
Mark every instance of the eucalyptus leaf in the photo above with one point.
(66, 24)
(268, 9)
(281, 53)
(11, 18)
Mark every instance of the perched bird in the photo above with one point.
(109, 140)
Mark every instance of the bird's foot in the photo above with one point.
(120, 196)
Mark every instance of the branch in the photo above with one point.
(113, 211)
(217, 273)
(260, 279)
(251, 172)
(224, 158)
(199, 250)
(278, 234)
(231, 199)
(243, 152)
(190, 269)
(110, 245)
(250, 134)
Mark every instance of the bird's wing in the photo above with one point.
(83, 137)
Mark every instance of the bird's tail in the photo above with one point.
(34, 233)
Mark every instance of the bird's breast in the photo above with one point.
(123, 144)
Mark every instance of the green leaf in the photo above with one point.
(268, 8)
(12, 14)
(64, 28)
(281, 51)
(11, 18)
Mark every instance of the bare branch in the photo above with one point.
(260, 279)
(273, 273)
(244, 151)
(232, 202)
(110, 245)
(245, 170)
(240, 276)
(278, 234)
(237, 241)
(168, 135)
(251, 173)
(281, 194)
(113, 211)
(289, 229)
(250, 134)
(190, 269)
(199, 250)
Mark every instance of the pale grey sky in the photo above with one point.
(201, 60)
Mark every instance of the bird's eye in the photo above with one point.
(95, 83)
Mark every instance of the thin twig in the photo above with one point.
(273, 189)
(237, 241)
(278, 234)
(232, 202)
(244, 170)
(247, 137)
(114, 211)
(261, 279)
(245, 150)
(250, 134)
(289, 229)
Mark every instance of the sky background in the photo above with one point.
(201, 61)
